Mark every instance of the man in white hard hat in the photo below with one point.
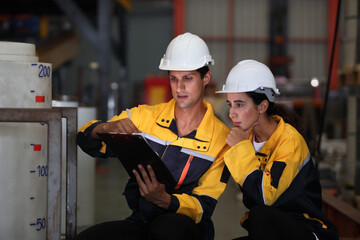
(189, 139)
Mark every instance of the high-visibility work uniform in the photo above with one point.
(281, 175)
(196, 162)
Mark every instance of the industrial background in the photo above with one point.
(105, 56)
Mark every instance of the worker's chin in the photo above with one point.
(182, 103)
(245, 128)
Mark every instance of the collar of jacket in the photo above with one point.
(205, 129)
(274, 138)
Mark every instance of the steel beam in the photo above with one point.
(100, 39)
(78, 18)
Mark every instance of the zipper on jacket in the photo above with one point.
(164, 152)
(184, 172)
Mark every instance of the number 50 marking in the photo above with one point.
(40, 224)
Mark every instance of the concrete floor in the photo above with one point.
(110, 204)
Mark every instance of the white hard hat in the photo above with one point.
(186, 52)
(251, 76)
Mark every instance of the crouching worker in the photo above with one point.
(271, 162)
(191, 142)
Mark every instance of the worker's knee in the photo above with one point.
(173, 226)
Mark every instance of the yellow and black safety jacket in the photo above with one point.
(282, 175)
(196, 162)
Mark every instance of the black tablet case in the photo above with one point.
(133, 149)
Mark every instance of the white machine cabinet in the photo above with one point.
(23, 179)
(30, 143)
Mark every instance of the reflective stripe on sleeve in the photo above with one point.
(199, 155)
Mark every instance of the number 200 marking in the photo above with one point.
(44, 71)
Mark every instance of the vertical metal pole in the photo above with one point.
(357, 58)
(333, 44)
(71, 171)
(54, 180)
(104, 25)
(357, 109)
(333, 65)
(123, 73)
(356, 94)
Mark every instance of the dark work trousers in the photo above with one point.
(169, 226)
(269, 223)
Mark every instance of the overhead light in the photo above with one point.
(94, 65)
(314, 82)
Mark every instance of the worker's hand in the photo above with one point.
(150, 188)
(123, 126)
(237, 135)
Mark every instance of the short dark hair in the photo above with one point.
(203, 70)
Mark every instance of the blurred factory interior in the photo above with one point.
(105, 56)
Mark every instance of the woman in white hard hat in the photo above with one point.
(191, 143)
(270, 161)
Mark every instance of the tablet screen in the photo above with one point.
(133, 149)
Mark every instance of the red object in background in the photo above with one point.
(37, 147)
(40, 99)
(179, 17)
(157, 89)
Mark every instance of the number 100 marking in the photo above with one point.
(42, 171)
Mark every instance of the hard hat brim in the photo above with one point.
(165, 65)
(179, 68)
(227, 91)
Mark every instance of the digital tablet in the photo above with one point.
(133, 149)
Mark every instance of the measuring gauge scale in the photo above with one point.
(23, 180)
